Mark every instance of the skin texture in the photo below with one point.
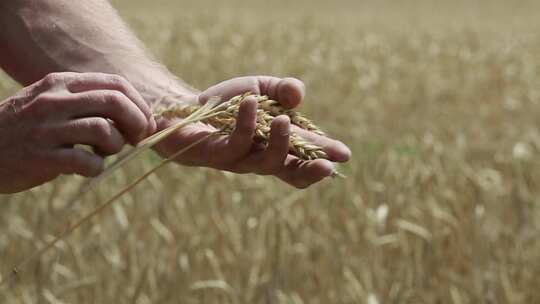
(40, 37)
(40, 126)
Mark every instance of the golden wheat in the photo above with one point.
(268, 109)
(440, 204)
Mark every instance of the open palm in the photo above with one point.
(238, 152)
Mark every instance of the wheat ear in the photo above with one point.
(267, 110)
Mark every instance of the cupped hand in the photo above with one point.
(238, 153)
(42, 124)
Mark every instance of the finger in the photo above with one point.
(76, 161)
(278, 147)
(83, 82)
(239, 143)
(97, 132)
(336, 150)
(302, 174)
(51, 82)
(216, 151)
(288, 91)
(108, 104)
(230, 88)
(271, 160)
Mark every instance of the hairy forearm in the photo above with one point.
(43, 36)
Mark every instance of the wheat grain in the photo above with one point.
(275, 108)
(268, 109)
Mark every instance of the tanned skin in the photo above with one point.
(76, 59)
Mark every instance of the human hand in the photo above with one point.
(40, 125)
(237, 152)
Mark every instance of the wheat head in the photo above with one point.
(225, 120)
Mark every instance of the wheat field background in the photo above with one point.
(440, 103)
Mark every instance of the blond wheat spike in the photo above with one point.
(268, 109)
(275, 108)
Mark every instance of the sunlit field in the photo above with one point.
(440, 104)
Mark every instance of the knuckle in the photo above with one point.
(116, 101)
(101, 127)
(117, 80)
(110, 142)
(115, 97)
(120, 104)
(120, 83)
(52, 79)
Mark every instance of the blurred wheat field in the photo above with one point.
(440, 104)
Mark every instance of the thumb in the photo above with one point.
(289, 92)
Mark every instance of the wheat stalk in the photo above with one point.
(268, 109)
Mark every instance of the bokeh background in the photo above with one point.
(440, 104)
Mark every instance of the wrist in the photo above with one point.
(166, 92)
(160, 88)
